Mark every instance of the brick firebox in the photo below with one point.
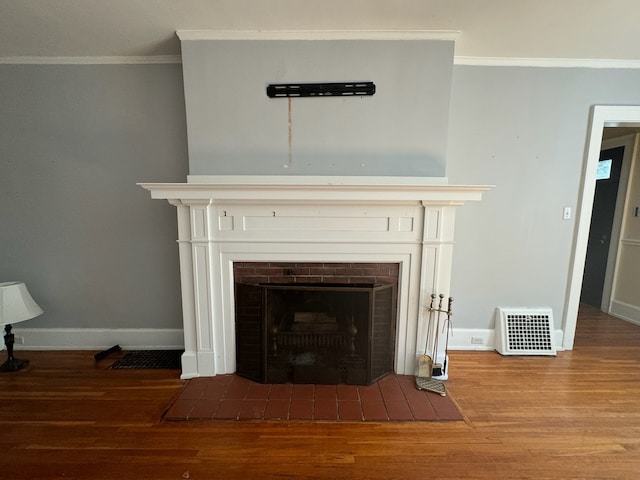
(315, 322)
(290, 272)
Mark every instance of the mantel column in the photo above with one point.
(435, 275)
(197, 277)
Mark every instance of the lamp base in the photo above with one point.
(13, 365)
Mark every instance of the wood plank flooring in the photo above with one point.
(575, 416)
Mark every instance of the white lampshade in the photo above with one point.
(16, 304)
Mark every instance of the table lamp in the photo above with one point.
(16, 305)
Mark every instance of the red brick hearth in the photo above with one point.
(230, 397)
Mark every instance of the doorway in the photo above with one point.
(602, 116)
(601, 231)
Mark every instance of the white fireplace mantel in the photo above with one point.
(227, 219)
(387, 190)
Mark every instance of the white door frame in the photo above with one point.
(601, 116)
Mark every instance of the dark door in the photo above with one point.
(604, 205)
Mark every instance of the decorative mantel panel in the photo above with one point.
(227, 219)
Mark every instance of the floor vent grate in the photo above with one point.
(525, 331)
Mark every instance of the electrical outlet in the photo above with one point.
(476, 341)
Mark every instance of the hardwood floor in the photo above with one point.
(573, 416)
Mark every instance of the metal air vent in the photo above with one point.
(525, 331)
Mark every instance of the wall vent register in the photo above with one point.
(525, 331)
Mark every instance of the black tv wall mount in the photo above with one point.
(343, 89)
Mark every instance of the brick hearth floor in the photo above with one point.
(230, 397)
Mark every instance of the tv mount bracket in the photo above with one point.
(344, 89)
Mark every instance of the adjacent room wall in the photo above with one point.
(92, 247)
(625, 298)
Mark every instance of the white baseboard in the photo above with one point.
(625, 311)
(97, 338)
(483, 339)
(471, 339)
(165, 339)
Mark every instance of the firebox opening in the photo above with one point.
(316, 332)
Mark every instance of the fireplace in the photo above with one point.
(314, 322)
(228, 220)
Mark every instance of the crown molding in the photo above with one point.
(387, 35)
(443, 35)
(546, 62)
(105, 60)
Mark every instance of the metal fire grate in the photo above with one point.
(525, 331)
(149, 359)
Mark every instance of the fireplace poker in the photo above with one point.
(437, 367)
(425, 362)
(427, 382)
(449, 327)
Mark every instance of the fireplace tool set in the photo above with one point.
(428, 366)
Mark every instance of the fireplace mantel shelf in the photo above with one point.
(280, 188)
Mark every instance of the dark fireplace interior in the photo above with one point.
(315, 323)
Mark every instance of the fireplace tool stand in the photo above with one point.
(428, 368)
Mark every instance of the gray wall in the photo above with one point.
(97, 252)
(93, 248)
(524, 130)
(234, 128)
